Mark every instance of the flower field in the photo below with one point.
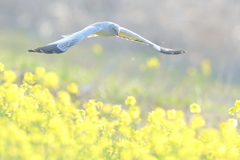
(42, 119)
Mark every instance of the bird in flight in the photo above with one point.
(104, 29)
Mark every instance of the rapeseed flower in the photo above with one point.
(197, 121)
(232, 110)
(40, 71)
(1, 67)
(157, 116)
(134, 112)
(153, 63)
(236, 109)
(195, 108)
(237, 105)
(130, 101)
(64, 97)
(206, 67)
(29, 78)
(97, 49)
(9, 76)
(233, 121)
(51, 79)
(73, 88)
(172, 114)
(116, 109)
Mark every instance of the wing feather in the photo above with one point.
(129, 35)
(65, 43)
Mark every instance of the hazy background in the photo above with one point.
(206, 29)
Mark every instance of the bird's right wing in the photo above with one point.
(130, 35)
(65, 43)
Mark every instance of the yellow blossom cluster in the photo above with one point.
(236, 109)
(206, 67)
(39, 121)
(97, 49)
(151, 63)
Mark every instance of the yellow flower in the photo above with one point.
(116, 110)
(134, 112)
(197, 121)
(125, 130)
(12, 93)
(233, 121)
(237, 105)
(206, 67)
(172, 114)
(97, 49)
(51, 79)
(40, 71)
(64, 97)
(157, 115)
(91, 103)
(195, 108)
(238, 115)
(232, 110)
(29, 78)
(107, 108)
(9, 76)
(153, 63)
(1, 67)
(130, 101)
(73, 88)
(80, 112)
(99, 104)
(125, 118)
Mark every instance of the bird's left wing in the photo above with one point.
(65, 43)
(129, 35)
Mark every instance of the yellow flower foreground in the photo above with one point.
(37, 124)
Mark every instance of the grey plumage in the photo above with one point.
(171, 51)
(104, 29)
(49, 49)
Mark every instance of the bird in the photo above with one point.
(104, 29)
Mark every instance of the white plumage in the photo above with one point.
(104, 29)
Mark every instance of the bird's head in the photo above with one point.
(115, 28)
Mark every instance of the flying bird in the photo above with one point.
(104, 29)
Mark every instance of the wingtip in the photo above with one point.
(172, 51)
(184, 51)
(178, 52)
(31, 50)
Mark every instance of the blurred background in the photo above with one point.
(110, 69)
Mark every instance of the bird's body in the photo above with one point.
(104, 29)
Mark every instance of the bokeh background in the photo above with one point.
(110, 69)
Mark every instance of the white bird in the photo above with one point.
(104, 29)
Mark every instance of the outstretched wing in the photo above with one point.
(65, 43)
(129, 35)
